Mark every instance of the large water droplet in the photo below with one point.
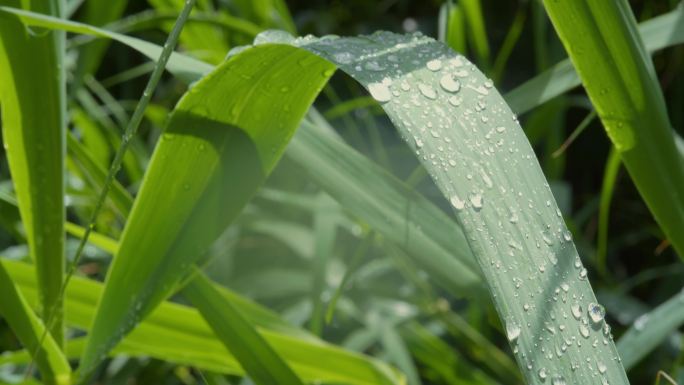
(457, 202)
(449, 83)
(380, 92)
(596, 312)
(427, 91)
(434, 65)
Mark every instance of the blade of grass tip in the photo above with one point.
(603, 43)
(31, 64)
(130, 131)
(575, 133)
(608, 187)
(261, 362)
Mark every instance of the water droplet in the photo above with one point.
(542, 373)
(601, 367)
(512, 331)
(476, 200)
(500, 129)
(565, 287)
(455, 101)
(558, 380)
(567, 235)
(583, 273)
(457, 202)
(380, 92)
(640, 323)
(584, 330)
(449, 83)
(427, 91)
(284, 89)
(343, 57)
(434, 65)
(576, 310)
(596, 312)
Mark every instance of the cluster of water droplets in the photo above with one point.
(460, 127)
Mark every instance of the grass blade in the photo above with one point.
(500, 197)
(14, 309)
(179, 334)
(603, 43)
(263, 365)
(208, 151)
(33, 133)
(658, 33)
(651, 329)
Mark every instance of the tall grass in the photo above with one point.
(200, 212)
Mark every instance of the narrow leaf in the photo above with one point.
(256, 356)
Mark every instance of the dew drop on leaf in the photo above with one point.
(380, 92)
(512, 331)
(434, 65)
(450, 84)
(457, 202)
(427, 91)
(596, 312)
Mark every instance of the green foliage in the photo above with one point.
(383, 237)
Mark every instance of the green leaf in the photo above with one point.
(617, 73)
(215, 146)
(31, 64)
(256, 356)
(657, 33)
(472, 145)
(651, 329)
(96, 175)
(29, 329)
(179, 334)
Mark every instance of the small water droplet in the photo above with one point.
(476, 200)
(558, 380)
(583, 273)
(512, 331)
(601, 367)
(567, 235)
(576, 310)
(640, 323)
(584, 330)
(542, 373)
(434, 65)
